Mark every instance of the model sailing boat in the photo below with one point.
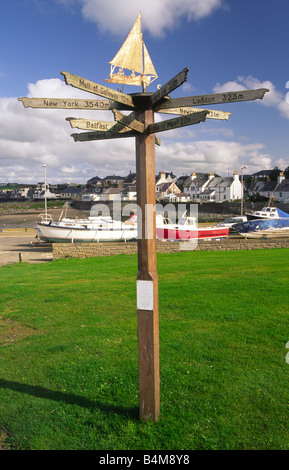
(133, 56)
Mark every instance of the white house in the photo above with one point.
(195, 185)
(40, 192)
(281, 189)
(164, 189)
(225, 188)
(111, 194)
(213, 188)
(129, 194)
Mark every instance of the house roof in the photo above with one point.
(283, 186)
(208, 191)
(73, 190)
(220, 181)
(95, 179)
(262, 173)
(197, 182)
(113, 177)
(270, 186)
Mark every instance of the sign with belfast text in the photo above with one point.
(93, 125)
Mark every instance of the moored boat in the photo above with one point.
(187, 229)
(104, 229)
(264, 228)
(92, 229)
(267, 213)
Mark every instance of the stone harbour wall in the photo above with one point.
(87, 250)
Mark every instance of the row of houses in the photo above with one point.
(197, 187)
(263, 185)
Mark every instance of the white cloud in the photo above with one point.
(273, 98)
(158, 16)
(213, 155)
(31, 137)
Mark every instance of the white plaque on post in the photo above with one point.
(145, 295)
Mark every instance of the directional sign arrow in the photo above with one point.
(97, 89)
(98, 135)
(93, 125)
(174, 123)
(170, 86)
(129, 121)
(112, 130)
(217, 98)
(212, 114)
(68, 103)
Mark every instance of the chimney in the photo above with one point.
(236, 176)
(211, 175)
(193, 175)
(280, 177)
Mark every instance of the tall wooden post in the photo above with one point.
(147, 278)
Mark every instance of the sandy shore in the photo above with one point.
(17, 237)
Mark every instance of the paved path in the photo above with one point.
(22, 245)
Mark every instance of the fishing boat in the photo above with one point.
(232, 221)
(187, 229)
(267, 213)
(92, 229)
(264, 228)
(133, 56)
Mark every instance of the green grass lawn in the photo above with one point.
(68, 353)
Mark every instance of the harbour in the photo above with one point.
(18, 243)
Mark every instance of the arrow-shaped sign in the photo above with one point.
(217, 98)
(92, 87)
(98, 135)
(169, 86)
(212, 114)
(174, 123)
(129, 121)
(68, 103)
(93, 125)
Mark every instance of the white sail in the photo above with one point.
(133, 56)
(130, 54)
(148, 65)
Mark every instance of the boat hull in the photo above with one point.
(176, 233)
(262, 228)
(57, 234)
(85, 231)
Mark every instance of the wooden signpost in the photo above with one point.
(140, 125)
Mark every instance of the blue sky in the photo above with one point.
(227, 45)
